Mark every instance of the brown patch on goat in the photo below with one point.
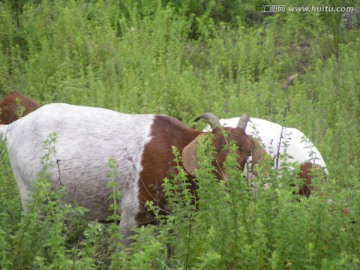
(10, 105)
(245, 146)
(157, 159)
(307, 173)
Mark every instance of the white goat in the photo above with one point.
(141, 145)
(283, 144)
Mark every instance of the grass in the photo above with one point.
(183, 60)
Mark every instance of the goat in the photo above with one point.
(141, 145)
(10, 107)
(283, 144)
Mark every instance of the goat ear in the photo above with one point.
(189, 157)
(258, 155)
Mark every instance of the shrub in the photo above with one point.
(184, 58)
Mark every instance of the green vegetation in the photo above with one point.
(184, 58)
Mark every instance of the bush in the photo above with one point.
(184, 58)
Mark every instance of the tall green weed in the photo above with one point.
(182, 59)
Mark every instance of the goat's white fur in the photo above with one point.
(279, 140)
(86, 138)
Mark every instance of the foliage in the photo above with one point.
(184, 58)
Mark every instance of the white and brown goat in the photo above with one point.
(284, 144)
(141, 145)
(14, 105)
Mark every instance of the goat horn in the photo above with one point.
(211, 118)
(244, 118)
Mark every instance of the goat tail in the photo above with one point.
(3, 130)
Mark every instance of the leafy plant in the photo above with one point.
(183, 58)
